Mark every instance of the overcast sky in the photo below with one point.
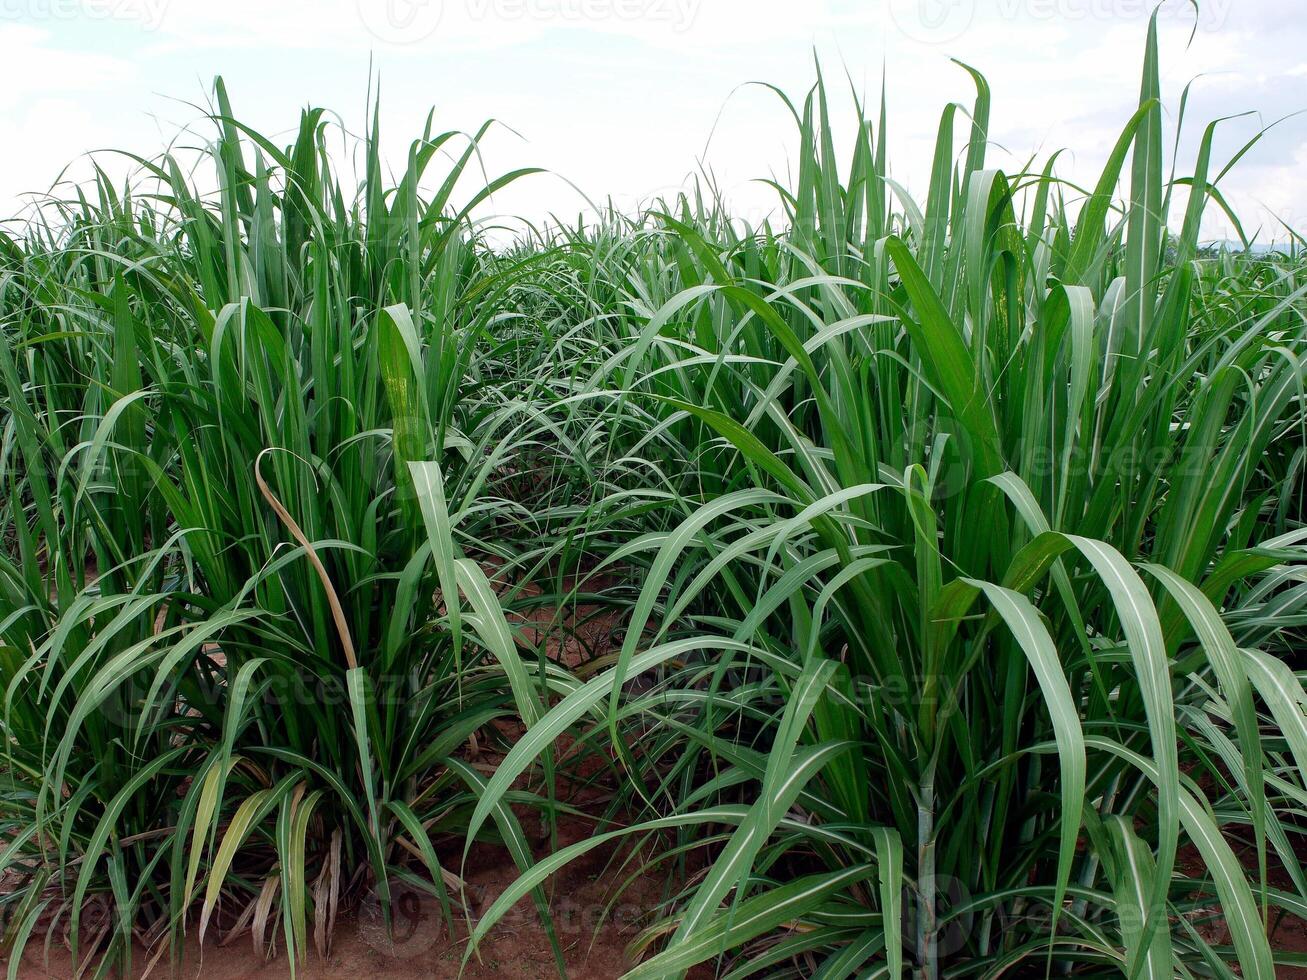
(621, 97)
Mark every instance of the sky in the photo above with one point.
(625, 99)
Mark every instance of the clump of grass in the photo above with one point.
(958, 547)
(981, 536)
(245, 439)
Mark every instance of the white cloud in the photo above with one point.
(33, 65)
(621, 95)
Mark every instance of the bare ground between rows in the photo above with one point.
(596, 910)
(420, 945)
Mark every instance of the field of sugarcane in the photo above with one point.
(949, 554)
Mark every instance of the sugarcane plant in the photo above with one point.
(956, 544)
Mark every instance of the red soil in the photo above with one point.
(422, 947)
